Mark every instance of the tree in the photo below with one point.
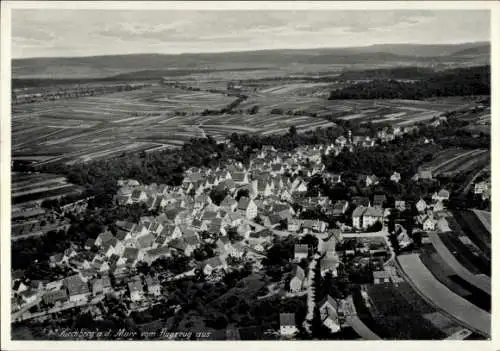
(242, 193)
(217, 195)
(292, 130)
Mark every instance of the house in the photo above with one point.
(360, 201)
(239, 178)
(277, 169)
(379, 200)
(481, 187)
(421, 205)
(101, 286)
(438, 206)
(333, 178)
(441, 195)
(153, 286)
(400, 205)
(54, 296)
(131, 255)
(89, 243)
(357, 217)
(247, 207)
(301, 251)
(217, 227)
(329, 313)
(78, 290)
(429, 223)
(371, 216)
(340, 207)
(139, 195)
(29, 296)
(57, 259)
(153, 254)
(424, 174)
(403, 238)
(341, 141)
(287, 324)
(213, 264)
(135, 289)
(329, 263)
(244, 230)
(371, 180)
(313, 225)
(298, 279)
(265, 186)
(104, 238)
(229, 204)
(381, 277)
(293, 225)
(396, 177)
(145, 241)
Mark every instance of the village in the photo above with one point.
(221, 219)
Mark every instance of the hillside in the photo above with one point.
(453, 82)
(105, 66)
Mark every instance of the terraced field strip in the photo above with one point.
(446, 162)
(469, 162)
(456, 306)
(484, 217)
(480, 281)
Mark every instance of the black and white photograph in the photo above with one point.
(266, 174)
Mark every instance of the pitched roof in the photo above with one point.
(359, 211)
(238, 176)
(215, 261)
(243, 203)
(162, 250)
(130, 253)
(106, 236)
(287, 319)
(444, 193)
(76, 285)
(298, 272)
(228, 201)
(145, 241)
(301, 248)
(374, 212)
(192, 240)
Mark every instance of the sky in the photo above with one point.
(65, 33)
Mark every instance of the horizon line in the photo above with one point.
(246, 50)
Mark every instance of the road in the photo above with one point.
(357, 324)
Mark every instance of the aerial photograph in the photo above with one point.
(243, 175)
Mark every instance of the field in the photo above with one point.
(190, 105)
(453, 161)
(477, 226)
(485, 218)
(36, 187)
(439, 294)
(398, 312)
(444, 269)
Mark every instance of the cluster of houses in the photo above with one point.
(257, 202)
(77, 289)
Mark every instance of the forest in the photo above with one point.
(454, 82)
